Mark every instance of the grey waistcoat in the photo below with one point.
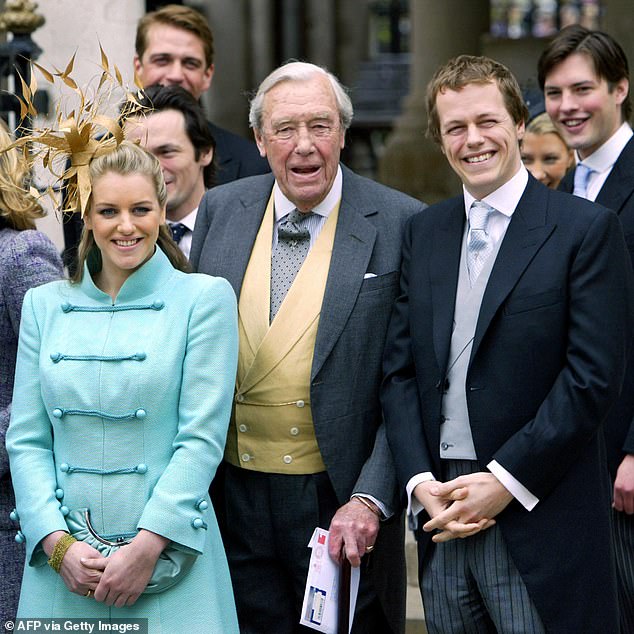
(456, 441)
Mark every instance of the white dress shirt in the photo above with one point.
(504, 201)
(602, 160)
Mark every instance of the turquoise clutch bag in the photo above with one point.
(172, 565)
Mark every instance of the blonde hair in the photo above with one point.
(543, 124)
(18, 207)
(129, 158)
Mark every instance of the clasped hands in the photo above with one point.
(116, 580)
(463, 506)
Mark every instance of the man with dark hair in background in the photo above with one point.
(171, 125)
(585, 78)
(174, 46)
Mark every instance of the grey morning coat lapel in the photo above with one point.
(619, 185)
(351, 253)
(528, 230)
(233, 255)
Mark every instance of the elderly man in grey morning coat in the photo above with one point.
(313, 252)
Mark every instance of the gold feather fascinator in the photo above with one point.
(79, 136)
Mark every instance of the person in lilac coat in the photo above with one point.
(27, 259)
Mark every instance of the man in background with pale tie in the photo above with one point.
(585, 78)
(171, 125)
(313, 253)
(506, 349)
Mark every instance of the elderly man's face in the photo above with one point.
(302, 138)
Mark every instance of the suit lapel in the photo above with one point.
(352, 250)
(444, 265)
(528, 230)
(233, 254)
(567, 182)
(619, 185)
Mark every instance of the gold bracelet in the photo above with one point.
(367, 505)
(57, 556)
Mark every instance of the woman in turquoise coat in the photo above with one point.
(122, 399)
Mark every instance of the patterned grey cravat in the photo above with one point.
(480, 243)
(293, 243)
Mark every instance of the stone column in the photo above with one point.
(321, 33)
(262, 33)
(441, 29)
(352, 26)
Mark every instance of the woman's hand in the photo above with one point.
(77, 577)
(126, 573)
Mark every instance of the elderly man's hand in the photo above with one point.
(624, 486)
(353, 528)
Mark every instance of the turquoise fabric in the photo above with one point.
(122, 407)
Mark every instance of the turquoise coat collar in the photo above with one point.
(146, 280)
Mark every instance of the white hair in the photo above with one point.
(299, 71)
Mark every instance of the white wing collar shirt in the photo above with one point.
(504, 201)
(314, 224)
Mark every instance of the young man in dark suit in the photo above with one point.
(506, 349)
(585, 78)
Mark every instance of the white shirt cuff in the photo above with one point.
(414, 507)
(513, 486)
(385, 511)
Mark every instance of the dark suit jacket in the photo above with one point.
(546, 365)
(346, 370)
(235, 157)
(617, 194)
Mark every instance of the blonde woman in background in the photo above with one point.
(27, 259)
(544, 152)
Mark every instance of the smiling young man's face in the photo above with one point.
(479, 137)
(174, 57)
(582, 106)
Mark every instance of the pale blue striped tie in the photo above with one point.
(582, 176)
(480, 244)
